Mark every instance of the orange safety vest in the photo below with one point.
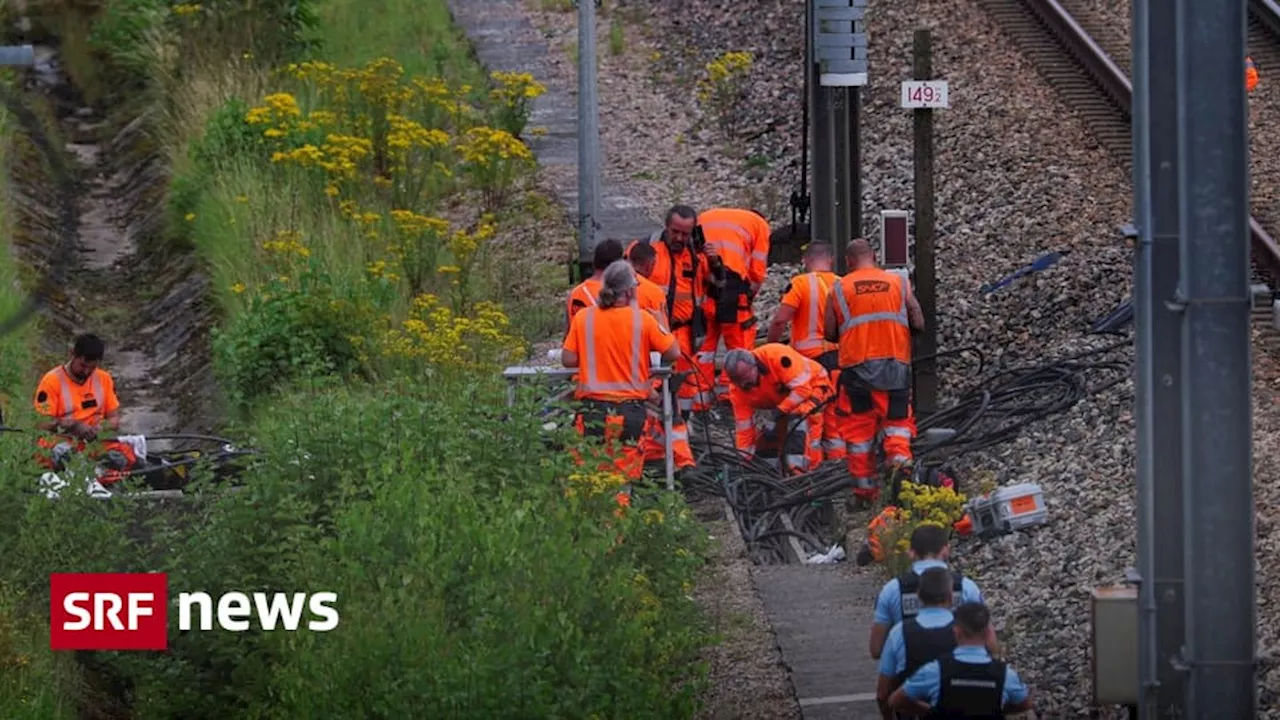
(583, 295)
(871, 312)
(1250, 75)
(613, 346)
(807, 294)
(740, 238)
(681, 278)
(789, 383)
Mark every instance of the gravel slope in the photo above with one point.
(1018, 175)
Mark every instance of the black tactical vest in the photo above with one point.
(924, 645)
(909, 582)
(971, 691)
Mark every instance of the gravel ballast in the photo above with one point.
(1017, 175)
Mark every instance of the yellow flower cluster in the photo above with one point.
(724, 87)
(436, 335)
(593, 484)
(185, 9)
(941, 506)
(287, 242)
(729, 66)
(513, 87)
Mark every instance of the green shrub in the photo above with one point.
(227, 137)
(469, 584)
(299, 328)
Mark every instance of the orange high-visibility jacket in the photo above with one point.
(807, 294)
(741, 238)
(651, 298)
(1250, 74)
(871, 312)
(60, 397)
(688, 291)
(790, 383)
(613, 346)
(583, 295)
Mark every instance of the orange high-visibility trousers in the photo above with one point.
(863, 414)
(623, 452)
(653, 448)
(833, 442)
(734, 338)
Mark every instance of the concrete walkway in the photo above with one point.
(820, 614)
(505, 40)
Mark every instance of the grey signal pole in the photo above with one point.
(588, 137)
(1158, 398)
(1217, 424)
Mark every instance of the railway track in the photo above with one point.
(1098, 89)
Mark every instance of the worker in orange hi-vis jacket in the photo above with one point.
(681, 270)
(774, 377)
(584, 294)
(736, 243)
(653, 299)
(1250, 75)
(609, 344)
(871, 314)
(804, 308)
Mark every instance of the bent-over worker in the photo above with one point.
(774, 377)
(804, 309)
(680, 269)
(736, 243)
(871, 315)
(79, 398)
(610, 345)
(968, 682)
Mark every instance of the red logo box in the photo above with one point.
(108, 611)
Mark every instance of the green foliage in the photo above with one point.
(468, 584)
(121, 35)
(293, 331)
(227, 137)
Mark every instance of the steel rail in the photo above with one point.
(1114, 82)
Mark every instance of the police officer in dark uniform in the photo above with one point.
(967, 683)
(917, 640)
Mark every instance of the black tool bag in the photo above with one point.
(594, 413)
(729, 299)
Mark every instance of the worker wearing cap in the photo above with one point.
(651, 298)
(774, 377)
(870, 316)
(680, 270)
(610, 343)
(736, 243)
(803, 308)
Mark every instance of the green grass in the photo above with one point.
(420, 34)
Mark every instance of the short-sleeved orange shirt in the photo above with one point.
(652, 298)
(59, 396)
(613, 346)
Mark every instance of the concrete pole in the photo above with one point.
(1217, 424)
(926, 373)
(588, 137)
(1159, 337)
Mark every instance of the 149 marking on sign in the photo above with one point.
(924, 94)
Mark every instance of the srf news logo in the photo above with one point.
(130, 611)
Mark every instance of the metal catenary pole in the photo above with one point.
(840, 45)
(926, 380)
(588, 137)
(821, 214)
(1159, 342)
(1213, 152)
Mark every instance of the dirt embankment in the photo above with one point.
(119, 280)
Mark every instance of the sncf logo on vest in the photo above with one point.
(866, 287)
(130, 611)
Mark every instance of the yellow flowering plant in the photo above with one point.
(493, 159)
(724, 88)
(512, 95)
(917, 505)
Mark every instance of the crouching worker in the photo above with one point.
(79, 400)
(609, 344)
(774, 377)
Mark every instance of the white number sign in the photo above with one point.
(924, 94)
